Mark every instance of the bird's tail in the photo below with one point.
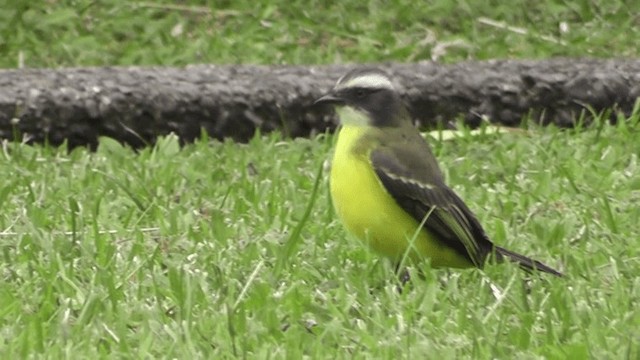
(524, 262)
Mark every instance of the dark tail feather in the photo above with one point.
(524, 262)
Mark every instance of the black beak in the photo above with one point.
(329, 98)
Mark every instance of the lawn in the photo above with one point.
(208, 250)
(112, 32)
(222, 250)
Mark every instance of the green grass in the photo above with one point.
(220, 250)
(174, 253)
(169, 32)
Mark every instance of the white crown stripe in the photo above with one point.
(369, 81)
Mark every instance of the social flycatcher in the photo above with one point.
(387, 187)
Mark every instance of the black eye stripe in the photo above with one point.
(362, 92)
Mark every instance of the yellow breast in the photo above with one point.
(369, 212)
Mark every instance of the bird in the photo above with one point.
(388, 189)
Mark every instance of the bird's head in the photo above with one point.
(366, 97)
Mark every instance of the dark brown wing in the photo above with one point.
(413, 179)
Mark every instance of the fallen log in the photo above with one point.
(137, 104)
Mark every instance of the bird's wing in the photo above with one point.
(414, 181)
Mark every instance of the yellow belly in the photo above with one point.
(369, 212)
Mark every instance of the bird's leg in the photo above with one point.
(403, 276)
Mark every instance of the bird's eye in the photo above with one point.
(360, 93)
